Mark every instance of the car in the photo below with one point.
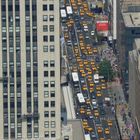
(107, 131)
(82, 110)
(93, 135)
(90, 129)
(109, 123)
(90, 116)
(93, 97)
(102, 111)
(84, 122)
(88, 112)
(96, 113)
(103, 86)
(87, 101)
(92, 33)
(94, 102)
(99, 129)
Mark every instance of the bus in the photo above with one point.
(75, 79)
(63, 14)
(87, 137)
(69, 10)
(80, 98)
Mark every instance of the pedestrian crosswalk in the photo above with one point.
(107, 118)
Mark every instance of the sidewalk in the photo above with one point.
(124, 121)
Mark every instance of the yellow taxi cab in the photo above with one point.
(89, 71)
(91, 89)
(87, 101)
(85, 62)
(101, 139)
(91, 84)
(71, 21)
(82, 47)
(89, 78)
(83, 74)
(81, 70)
(103, 86)
(90, 52)
(92, 62)
(109, 123)
(99, 129)
(102, 80)
(96, 113)
(98, 88)
(81, 37)
(84, 52)
(74, 69)
(95, 50)
(88, 112)
(82, 111)
(84, 87)
(94, 68)
(84, 122)
(78, 59)
(82, 13)
(88, 129)
(98, 94)
(79, 2)
(107, 131)
(75, 8)
(89, 14)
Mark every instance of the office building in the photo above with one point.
(30, 70)
(134, 84)
(130, 5)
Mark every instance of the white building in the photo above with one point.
(30, 70)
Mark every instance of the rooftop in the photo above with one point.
(131, 19)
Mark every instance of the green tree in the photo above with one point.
(105, 70)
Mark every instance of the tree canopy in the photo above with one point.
(105, 70)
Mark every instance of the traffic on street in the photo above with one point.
(91, 99)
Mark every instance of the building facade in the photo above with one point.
(29, 70)
(134, 82)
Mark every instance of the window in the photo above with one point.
(51, 17)
(46, 114)
(52, 103)
(45, 28)
(45, 7)
(51, 27)
(46, 124)
(45, 38)
(52, 73)
(45, 73)
(52, 113)
(52, 63)
(66, 137)
(51, 38)
(46, 134)
(53, 134)
(52, 124)
(51, 7)
(46, 94)
(45, 63)
(46, 103)
(46, 84)
(51, 48)
(52, 83)
(52, 93)
(45, 17)
(45, 48)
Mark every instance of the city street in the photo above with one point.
(91, 97)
